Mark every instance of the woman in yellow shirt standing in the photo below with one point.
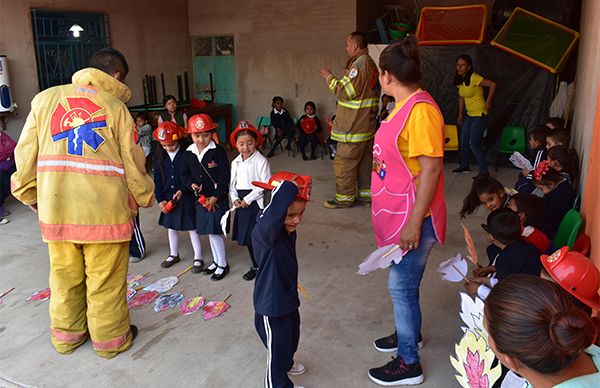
(470, 96)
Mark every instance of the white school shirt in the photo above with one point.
(243, 172)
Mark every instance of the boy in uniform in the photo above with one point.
(276, 301)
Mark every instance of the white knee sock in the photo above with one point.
(173, 242)
(217, 245)
(196, 244)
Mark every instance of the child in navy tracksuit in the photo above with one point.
(207, 173)
(276, 301)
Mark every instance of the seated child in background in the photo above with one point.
(387, 105)
(144, 132)
(555, 123)
(559, 197)
(516, 255)
(530, 209)
(564, 160)
(276, 301)
(557, 137)
(309, 127)
(485, 191)
(171, 113)
(283, 124)
(537, 153)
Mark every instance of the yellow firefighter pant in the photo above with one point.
(88, 284)
(352, 168)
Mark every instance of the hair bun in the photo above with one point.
(410, 47)
(572, 331)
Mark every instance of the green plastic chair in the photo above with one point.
(513, 139)
(568, 229)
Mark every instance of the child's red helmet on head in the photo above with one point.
(245, 126)
(304, 183)
(200, 123)
(575, 273)
(168, 131)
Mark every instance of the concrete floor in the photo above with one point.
(344, 314)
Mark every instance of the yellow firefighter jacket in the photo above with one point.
(357, 104)
(77, 160)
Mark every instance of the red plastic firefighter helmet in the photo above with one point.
(168, 131)
(197, 103)
(200, 123)
(304, 183)
(576, 274)
(245, 126)
(308, 125)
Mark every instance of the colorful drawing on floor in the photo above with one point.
(130, 293)
(142, 298)
(162, 285)
(192, 305)
(40, 295)
(168, 301)
(213, 309)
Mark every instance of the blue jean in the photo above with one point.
(471, 139)
(403, 284)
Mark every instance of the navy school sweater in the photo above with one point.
(276, 284)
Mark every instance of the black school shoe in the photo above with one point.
(397, 372)
(134, 331)
(390, 343)
(220, 276)
(251, 274)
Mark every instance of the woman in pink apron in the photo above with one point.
(408, 208)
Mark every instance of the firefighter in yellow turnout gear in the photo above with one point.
(354, 125)
(79, 167)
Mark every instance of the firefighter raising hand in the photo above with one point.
(325, 72)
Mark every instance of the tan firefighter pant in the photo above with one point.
(352, 169)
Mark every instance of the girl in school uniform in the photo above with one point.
(176, 201)
(207, 174)
(247, 167)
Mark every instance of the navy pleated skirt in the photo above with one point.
(244, 221)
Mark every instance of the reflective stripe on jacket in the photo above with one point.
(357, 103)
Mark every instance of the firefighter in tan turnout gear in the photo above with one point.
(354, 125)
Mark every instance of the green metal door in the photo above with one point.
(215, 55)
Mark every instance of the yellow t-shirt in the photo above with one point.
(421, 135)
(473, 95)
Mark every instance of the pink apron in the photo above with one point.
(393, 187)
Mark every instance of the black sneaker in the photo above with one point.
(390, 343)
(461, 169)
(397, 372)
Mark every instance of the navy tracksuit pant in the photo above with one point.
(137, 245)
(280, 335)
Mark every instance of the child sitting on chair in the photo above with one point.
(283, 124)
(309, 127)
(537, 153)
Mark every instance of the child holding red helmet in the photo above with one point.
(207, 174)
(249, 166)
(176, 201)
(309, 127)
(276, 301)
